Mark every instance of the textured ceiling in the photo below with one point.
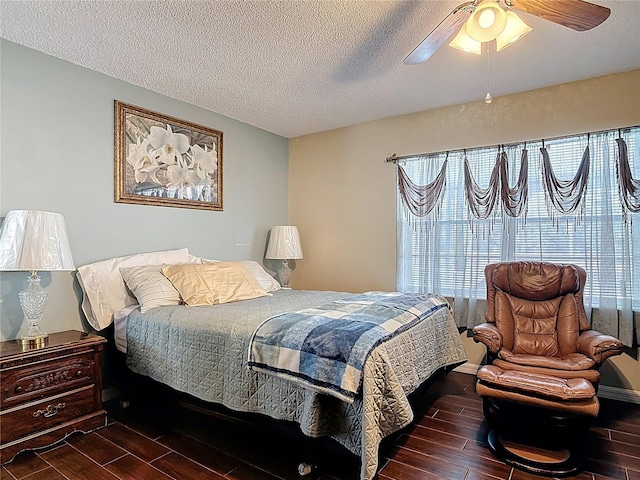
(299, 67)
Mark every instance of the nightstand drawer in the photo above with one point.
(37, 416)
(20, 385)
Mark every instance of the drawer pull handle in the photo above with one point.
(50, 411)
(18, 389)
(79, 373)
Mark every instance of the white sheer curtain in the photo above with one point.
(448, 256)
(613, 290)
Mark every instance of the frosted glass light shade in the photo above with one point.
(513, 31)
(487, 21)
(284, 243)
(34, 241)
(464, 42)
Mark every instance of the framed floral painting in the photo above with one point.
(161, 160)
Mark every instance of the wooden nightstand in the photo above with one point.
(50, 392)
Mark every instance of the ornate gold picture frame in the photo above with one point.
(165, 161)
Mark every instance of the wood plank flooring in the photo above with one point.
(447, 441)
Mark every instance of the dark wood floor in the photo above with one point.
(446, 441)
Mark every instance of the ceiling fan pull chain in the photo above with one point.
(488, 98)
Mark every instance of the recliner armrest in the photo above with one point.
(488, 334)
(598, 346)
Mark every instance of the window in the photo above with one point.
(446, 253)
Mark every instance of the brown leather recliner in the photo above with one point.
(541, 351)
(536, 322)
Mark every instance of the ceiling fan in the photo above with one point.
(576, 14)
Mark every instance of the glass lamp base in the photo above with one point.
(285, 274)
(32, 301)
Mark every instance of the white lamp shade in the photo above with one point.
(284, 243)
(32, 240)
(464, 42)
(514, 31)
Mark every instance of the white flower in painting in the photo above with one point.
(203, 160)
(169, 146)
(181, 175)
(143, 160)
(147, 172)
(137, 153)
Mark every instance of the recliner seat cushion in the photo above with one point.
(590, 374)
(573, 361)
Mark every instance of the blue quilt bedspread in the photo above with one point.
(325, 348)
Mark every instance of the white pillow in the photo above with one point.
(150, 287)
(265, 280)
(200, 260)
(104, 289)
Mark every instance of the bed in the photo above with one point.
(203, 351)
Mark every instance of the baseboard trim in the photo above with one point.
(622, 394)
(470, 368)
(604, 391)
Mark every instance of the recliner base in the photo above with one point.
(536, 440)
(537, 460)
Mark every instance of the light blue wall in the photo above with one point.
(57, 154)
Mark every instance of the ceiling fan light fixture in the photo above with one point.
(464, 42)
(486, 22)
(513, 31)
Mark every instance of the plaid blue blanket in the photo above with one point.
(325, 348)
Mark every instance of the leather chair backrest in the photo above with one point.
(537, 306)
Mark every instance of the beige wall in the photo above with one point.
(343, 194)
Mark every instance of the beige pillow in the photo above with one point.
(265, 280)
(150, 287)
(213, 283)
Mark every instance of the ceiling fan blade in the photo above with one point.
(452, 23)
(575, 14)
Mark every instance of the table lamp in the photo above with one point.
(34, 241)
(284, 244)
